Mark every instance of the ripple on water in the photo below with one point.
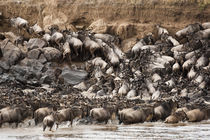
(112, 132)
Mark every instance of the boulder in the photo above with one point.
(52, 54)
(4, 65)
(73, 77)
(33, 63)
(19, 70)
(36, 43)
(46, 79)
(42, 59)
(34, 54)
(124, 30)
(99, 26)
(11, 53)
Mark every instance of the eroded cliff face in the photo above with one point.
(139, 15)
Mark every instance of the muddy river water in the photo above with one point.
(157, 130)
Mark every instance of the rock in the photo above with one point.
(34, 54)
(42, 59)
(99, 26)
(124, 30)
(6, 78)
(52, 54)
(73, 77)
(36, 43)
(4, 65)
(19, 70)
(11, 53)
(33, 63)
(81, 86)
(1, 70)
(46, 79)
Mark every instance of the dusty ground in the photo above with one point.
(140, 15)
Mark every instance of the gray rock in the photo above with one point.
(73, 77)
(52, 54)
(34, 54)
(6, 77)
(36, 43)
(46, 79)
(33, 63)
(42, 59)
(11, 53)
(1, 70)
(19, 70)
(4, 65)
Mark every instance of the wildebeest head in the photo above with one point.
(149, 112)
(53, 28)
(77, 112)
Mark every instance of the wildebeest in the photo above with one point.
(75, 43)
(135, 115)
(48, 121)
(68, 114)
(92, 46)
(164, 109)
(192, 28)
(196, 115)
(111, 55)
(176, 117)
(98, 61)
(40, 113)
(123, 90)
(13, 115)
(137, 47)
(206, 25)
(101, 114)
(67, 51)
(104, 37)
(19, 23)
(36, 29)
(161, 31)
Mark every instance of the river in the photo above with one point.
(157, 130)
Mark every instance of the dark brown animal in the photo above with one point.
(40, 113)
(102, 114)
(164, 110)
(135, 115)
(196, 115)
(48, 121)
(68, 114)
(13, 115)
(176, 117)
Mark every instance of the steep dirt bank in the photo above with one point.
(138, 16)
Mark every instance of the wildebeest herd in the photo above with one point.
(162, 77)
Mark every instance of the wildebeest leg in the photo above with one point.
(75, 50)
(51, 128)
(36, 121)
(92, 54)
(16, 124)
(57, 126)
(71, 122)
(106, 121)
(44, 127)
